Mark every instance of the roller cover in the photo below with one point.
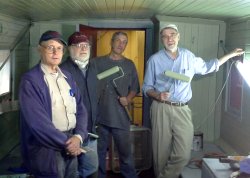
(108, 72)
(177, 76)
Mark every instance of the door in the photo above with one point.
(91, 33)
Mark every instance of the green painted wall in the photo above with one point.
(9, 131)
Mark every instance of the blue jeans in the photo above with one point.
(66, 165)
(123, 144)
(88, 162)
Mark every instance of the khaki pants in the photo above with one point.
(172, 137)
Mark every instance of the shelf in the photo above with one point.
(7, 106)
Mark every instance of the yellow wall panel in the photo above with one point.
(135, 52)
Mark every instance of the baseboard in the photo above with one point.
(228, 150)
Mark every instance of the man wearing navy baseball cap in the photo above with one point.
(53, 118)
(48, 35)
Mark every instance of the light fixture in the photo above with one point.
(243, 67)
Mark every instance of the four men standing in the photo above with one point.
(60, 110)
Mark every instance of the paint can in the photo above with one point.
(198, 141)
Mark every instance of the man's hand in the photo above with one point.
(163, 96)
(73, 146)
(124, 101)
(237, 52)
(233, 53)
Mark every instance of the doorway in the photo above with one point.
(133, 51)
(139, 49)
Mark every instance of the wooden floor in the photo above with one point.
(11, 165)
(143, 174)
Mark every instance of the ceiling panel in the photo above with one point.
(40, 10)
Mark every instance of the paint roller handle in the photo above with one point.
(128, 113)
(119, 96)
(124, 104)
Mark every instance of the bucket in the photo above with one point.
(198, 141)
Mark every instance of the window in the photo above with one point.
(234, 93)
(4, 72)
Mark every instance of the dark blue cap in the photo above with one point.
(50, 35)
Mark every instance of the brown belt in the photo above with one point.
(175, 103)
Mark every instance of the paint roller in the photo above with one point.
(177, 76)
(110, 72)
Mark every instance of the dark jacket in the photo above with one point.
(39, 137)
(87, 86)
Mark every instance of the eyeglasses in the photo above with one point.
(123, 42)
(82, 46)
(52, 49)
(172, 36)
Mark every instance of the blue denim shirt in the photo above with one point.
(186, 63)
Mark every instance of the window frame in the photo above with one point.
(234, 91)
(5, 72)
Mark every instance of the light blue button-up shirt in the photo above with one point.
(186, 63)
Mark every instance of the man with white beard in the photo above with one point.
(77, 64)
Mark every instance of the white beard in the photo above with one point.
(172, 49)
(82, 62)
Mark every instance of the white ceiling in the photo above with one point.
(40, 10)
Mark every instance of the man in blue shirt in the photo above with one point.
(172, 127)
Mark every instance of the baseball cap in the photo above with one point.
(77, 37)
(173, 26)
(50, 35)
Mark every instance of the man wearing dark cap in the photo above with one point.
(77, 64)
(171, 118)
(53, 119)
